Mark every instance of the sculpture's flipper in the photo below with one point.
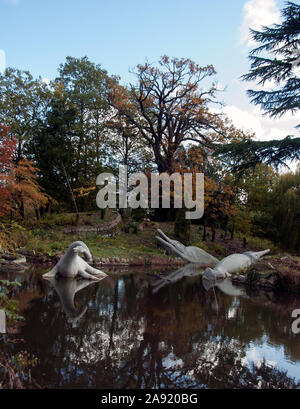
(95, 272)
(52, 273)
(88, 276)
(211, 275)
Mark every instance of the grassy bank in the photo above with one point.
(49, 236)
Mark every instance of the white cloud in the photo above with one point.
(258, 13)
(46, 81)
(2, 61)
(264, 127)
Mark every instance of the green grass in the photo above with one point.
(53, 241)
(47, 236)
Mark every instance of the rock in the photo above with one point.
(271, 266)
(265, 283)
(239, 279)
(11, 267)
(273, 281)
(20, 260)
(140, 227)
(138, 261)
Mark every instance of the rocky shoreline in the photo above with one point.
(263, 283)
(22, 261)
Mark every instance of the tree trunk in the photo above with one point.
(232, 233)
(213, 234)
(204, 232)
(37, 213)
(71, 191)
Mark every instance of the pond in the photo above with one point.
(152, 329)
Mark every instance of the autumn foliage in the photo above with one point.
(19, 188)
(7, 148)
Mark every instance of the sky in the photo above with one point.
(37, 35)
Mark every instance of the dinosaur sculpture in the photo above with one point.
(192, 254)
(72, 265)
(198, 256)
(232, 263)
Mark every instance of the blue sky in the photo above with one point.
(37, 35)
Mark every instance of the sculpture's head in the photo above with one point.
(255, 255)
(80, 247)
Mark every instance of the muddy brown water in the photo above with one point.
(145, 330)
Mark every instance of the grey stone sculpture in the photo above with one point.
(232, 263)
(72, 265)
(192, 254)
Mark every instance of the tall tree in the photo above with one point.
(23, 105)
(124, 146)
(85, 85)
(281, 45)
(52, 148)
(167, 107)
(287, 210)
(276, 59)
(7, 150)
(25, 191)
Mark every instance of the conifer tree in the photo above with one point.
(276, 59)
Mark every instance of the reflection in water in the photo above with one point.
(66, 289)
(136, 333)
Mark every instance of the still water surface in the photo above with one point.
(137, 330)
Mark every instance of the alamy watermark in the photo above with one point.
(296, 323)
(2, 322)
(160, 188)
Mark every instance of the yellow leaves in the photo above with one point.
(24, 187)
(84, 191)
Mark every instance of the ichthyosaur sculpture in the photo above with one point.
(72, 265)
(195, 255)
(232, 263)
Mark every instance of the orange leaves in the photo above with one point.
(7, 148)
(84, 191)
(21, 189)
(25, 187)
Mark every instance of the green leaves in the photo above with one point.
(9, 305)
(275, 60)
